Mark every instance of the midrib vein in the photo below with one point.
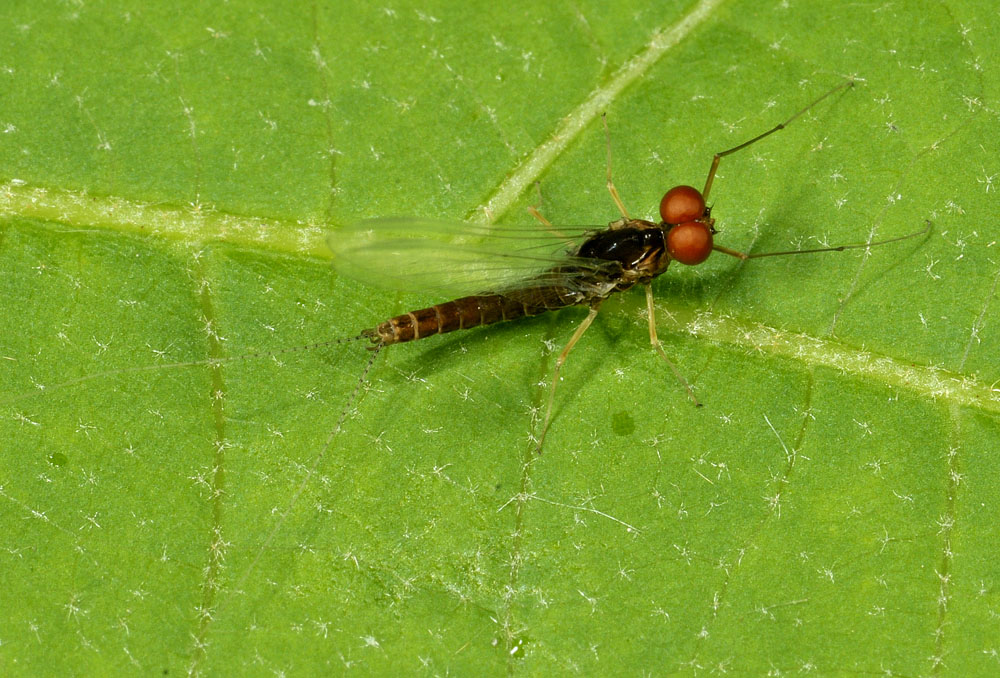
(926, 380)
(192, 225)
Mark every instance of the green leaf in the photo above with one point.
(169, 176)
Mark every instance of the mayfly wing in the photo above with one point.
(455, 258)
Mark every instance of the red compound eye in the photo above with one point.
(690, 243)
(681, 204)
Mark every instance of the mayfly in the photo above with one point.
(492, 281)
(581, 269)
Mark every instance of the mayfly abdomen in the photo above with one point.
(467, 312)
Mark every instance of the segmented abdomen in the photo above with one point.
(480, 309)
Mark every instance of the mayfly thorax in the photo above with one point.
(578, 269)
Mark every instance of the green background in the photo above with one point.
(168, 176)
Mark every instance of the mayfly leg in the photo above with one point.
(780, 126)
(594, 308)
(561, 360)
(555, 373)
(534, 211)
(655, 341)
(611, 184)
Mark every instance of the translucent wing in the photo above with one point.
(419, 255)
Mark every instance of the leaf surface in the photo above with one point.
(170, 175)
